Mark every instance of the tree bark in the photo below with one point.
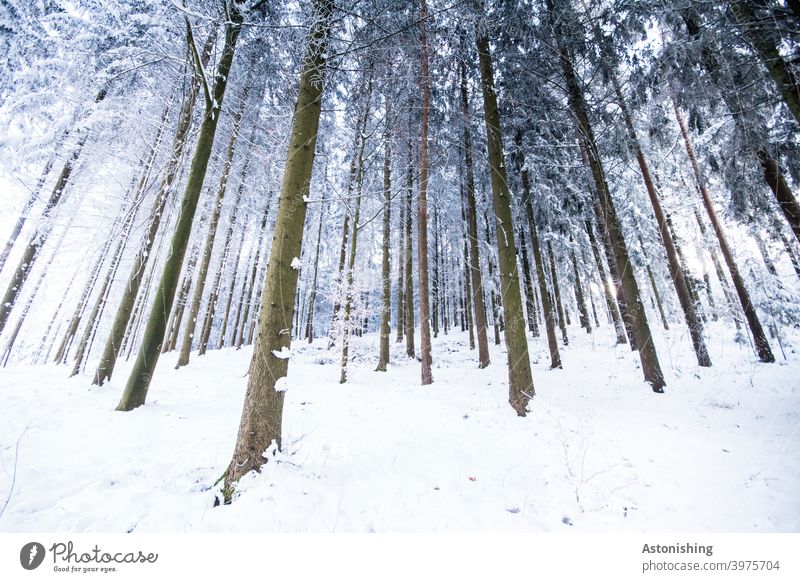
(557, 294)
(408, 294)
(139, 382)
(520, 380)
(262, 414)
(762, 348)
(386, 265)
(422, 221)
(690, 312)
(202, 272)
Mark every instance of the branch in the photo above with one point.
(198, 64)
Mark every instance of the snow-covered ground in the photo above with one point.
(719, 451)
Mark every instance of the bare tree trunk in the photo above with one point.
(690, 311)
(401, 228)
(472, 226)
(262, 414)
(139, 382)
(492, 294)
(520, 380)
(760, 339)
(723, 281)
(583, 313)
(348, 302)
(611, 300)
(408, 294)
(557, 294)
(312, 301)
(422, 226)
(202, 272)
(123, 318)
(386, 266)
(653, 285)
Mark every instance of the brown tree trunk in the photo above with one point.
(422, 221)
(262, 414)
(690, 311)
(386, 265)
(520, 380)
(762, 348)
(583, 312)
(408, 294)
(557, 294)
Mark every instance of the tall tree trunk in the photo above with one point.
(351, 263)
(202, 272)
(492, 294)
(693, 321)
(422, 225)
(472, 226)
(436, 287)
(139, 382)
(651, 368)
(557, 293)
(547, 307)
(401, 229)
(312, 300)
(250, 288)
(583, 312)
(408, 294)
(533, 325)
(760, 339)
(262, 413)
(520, 380)
(386, 266)
(127, 306)
(765, 41)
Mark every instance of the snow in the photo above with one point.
(296, 263)
(598, 451)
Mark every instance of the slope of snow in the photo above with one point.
(719, 451)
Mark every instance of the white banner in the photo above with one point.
(408, 557)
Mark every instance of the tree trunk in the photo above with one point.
(262, 413)
(765, 45)
(422, 225)
(401, 228)
(760, 339)
(436, 287)
(123, 318)
(139, 382)
(608, 292)
(408, 294)
(653, 285)
(351, 264)
(386, 266)
(583, 312)
(520, 380)
(690, 312)
(557, 294)
(312, 300)
(202, 272)
(472, 227)
(723, 281)
(651, 368)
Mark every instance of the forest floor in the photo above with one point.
(719, 451)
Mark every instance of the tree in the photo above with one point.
(262, 414)
(520, 381)
(139, 382)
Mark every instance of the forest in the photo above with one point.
(311, 257)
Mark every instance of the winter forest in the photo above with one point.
(383, 265)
